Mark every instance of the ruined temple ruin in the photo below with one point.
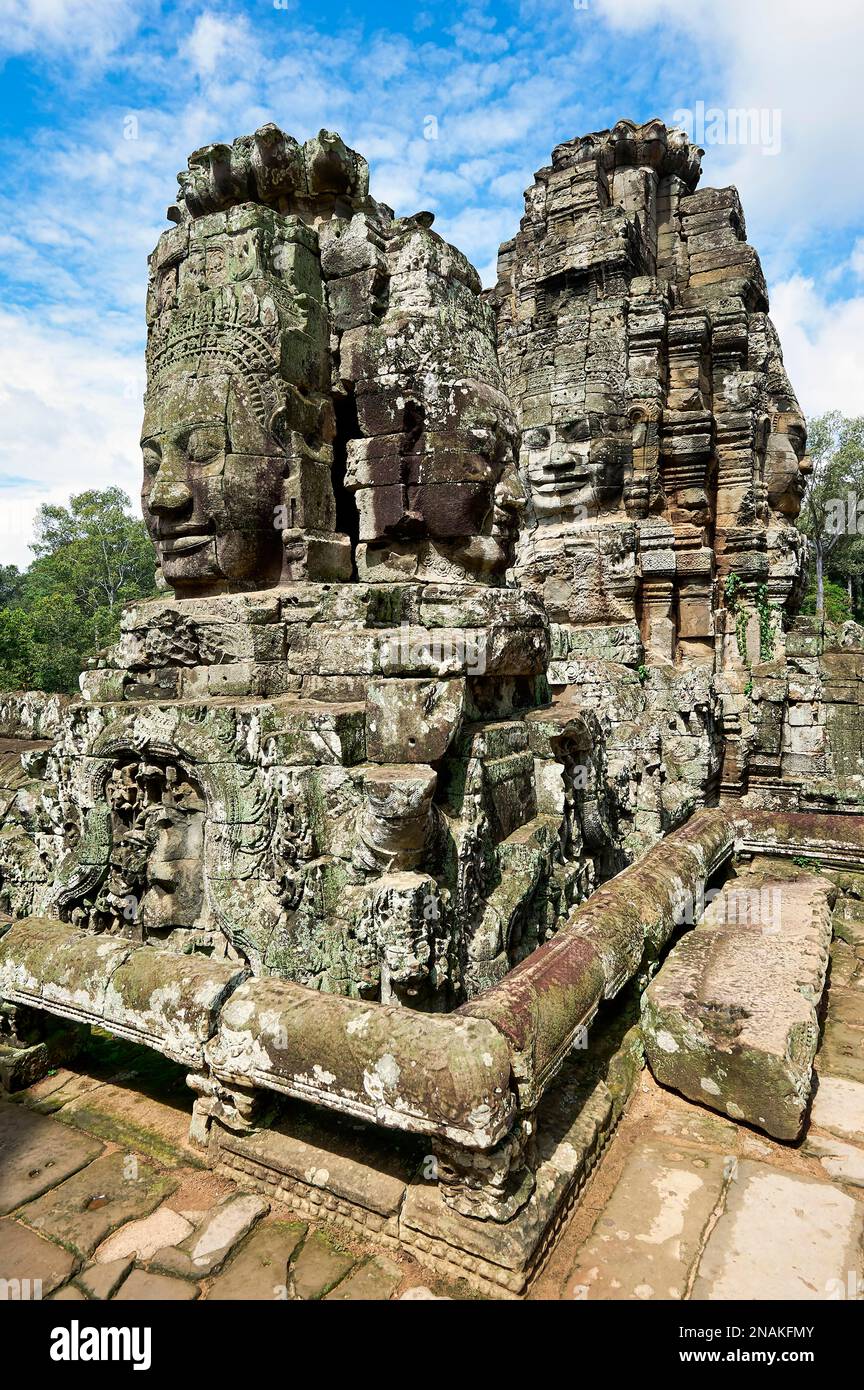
(423, 801)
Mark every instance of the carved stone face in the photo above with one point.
(786, 466)
(155, 874)
(574, 480)
(212, 481)
(174, 895)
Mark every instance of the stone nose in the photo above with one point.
(170, 492)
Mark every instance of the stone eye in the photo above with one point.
(204, 444)
(152, 457)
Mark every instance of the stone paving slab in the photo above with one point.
(648, 1238)
(143, 1238)
(204, 1251)
(780, 1236)
(842, 1050)
(87, 1207)
(37, 1153)
(24, 1255)
(259, 1270)
(378, 1278)
(846, 1006)
(318, 1268)
(135, 1120)
(102, 1280)
(146, 1287)
(841, 1161)
(838, 1107)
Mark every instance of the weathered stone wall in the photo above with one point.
(662, 454)
(475, 596)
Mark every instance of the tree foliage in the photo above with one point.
(91, 558)
(833, 511)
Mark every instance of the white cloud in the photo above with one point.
(821, 346)
(788, 55)
(71, 412)
(46, 28)
(211, 39)
(475, 229)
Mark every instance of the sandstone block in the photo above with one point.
(730, 1020)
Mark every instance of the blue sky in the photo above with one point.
(102, 100)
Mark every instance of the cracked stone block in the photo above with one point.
(171, 1001)
(781, 1237)
(649, 1235)
(412, 721)
(22, 1066)
(730, 1020)
(103, 1280)
(376, 1279)
(259, 1271)
(86, 1208)
(28, 1263)
(205, 1250)
(37, 1153)
(144, 1287)
(318, 1268)
(52, 962)
(143, 1238)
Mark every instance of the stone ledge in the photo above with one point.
(731, 1019)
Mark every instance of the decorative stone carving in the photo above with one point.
(468, 601)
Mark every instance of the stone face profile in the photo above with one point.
(476, 649)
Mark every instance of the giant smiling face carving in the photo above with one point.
(786, 464)
(212, 483)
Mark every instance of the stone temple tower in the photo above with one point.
(475, 651)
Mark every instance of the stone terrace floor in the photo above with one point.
(100, 1197)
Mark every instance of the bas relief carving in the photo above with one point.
(359, 469)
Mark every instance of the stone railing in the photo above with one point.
(463, 1076)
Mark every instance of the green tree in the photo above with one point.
(833, 506)
(11, 580)
(92, 557)
(19, 653)
(836, 602)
